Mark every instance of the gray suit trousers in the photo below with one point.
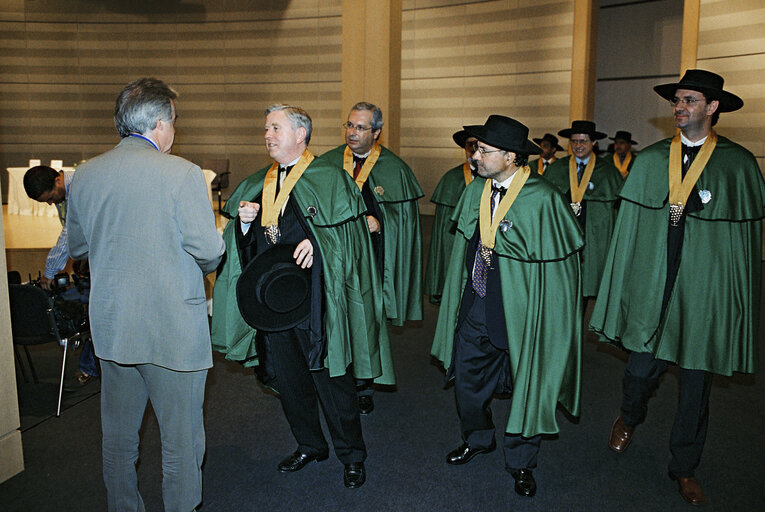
(177, 399)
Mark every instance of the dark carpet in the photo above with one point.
(408, 435)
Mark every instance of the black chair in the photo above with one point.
(33, 322)
(220, 182)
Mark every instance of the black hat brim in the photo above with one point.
(460, 138)
(480, 132)
(729, 102)
(619, 138)
(270, 274)
(538, 141)
(594, 135)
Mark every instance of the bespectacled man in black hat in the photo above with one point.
(623, 156)
(309, 203)
(682, 280)
(549, 145)
(591, 185)
(445, 197)
(515, 258)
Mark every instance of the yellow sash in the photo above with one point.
(468, 173)
(623, 166)
(578, 189)
(541, 164)
(272, 204)
(365, 169)
(679, 187)
(487, 224)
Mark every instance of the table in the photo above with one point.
(18, 201)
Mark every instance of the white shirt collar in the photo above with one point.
(687, 142)
(505, 184)
(361, 156)
(282, 166)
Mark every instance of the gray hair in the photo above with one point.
(297, 117)
(377, 122)
(140, 104)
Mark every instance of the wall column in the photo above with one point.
(371, 66)
(690, 46)
(583, 53)
(11, 455)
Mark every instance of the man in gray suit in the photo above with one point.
(143, 219)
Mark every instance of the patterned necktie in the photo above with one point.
(579, 171)
(480, 270)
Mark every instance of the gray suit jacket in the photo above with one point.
(144, 220)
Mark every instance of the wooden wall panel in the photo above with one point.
(732, 43)
(465, 60)
(62, 64)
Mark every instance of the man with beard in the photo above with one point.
(682, 281)
(510, 313)
(623, 155)
(549, 145)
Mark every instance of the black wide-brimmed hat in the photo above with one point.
(623, 135)
(581, 126)
(273, 292)
(461, 137)
(504, 133)
(711, 84)
(552, 139)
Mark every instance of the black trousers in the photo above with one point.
(480, 369)
(689, 431)
(301, 390)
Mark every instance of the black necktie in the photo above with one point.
(283, 173)
(689, 155)
(497, 193)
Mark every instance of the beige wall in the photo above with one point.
(11, 456)
(732, 43)
(63, 63)
(464, 60)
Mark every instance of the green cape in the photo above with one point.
(541, 292)
(397, 197)
(445, 196)
(711, 320)
(354, 320)
(600, 201)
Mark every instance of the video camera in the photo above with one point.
(70, 304)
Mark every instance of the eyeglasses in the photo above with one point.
(579, 142)
(356, 127)
(471, 146)
(485, 151)
(688, 100)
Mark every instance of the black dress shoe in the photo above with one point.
(298, 461)
(464, 453)
(354, 475)
(525, 485)
(366, 404)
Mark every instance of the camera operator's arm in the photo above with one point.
(56, 260)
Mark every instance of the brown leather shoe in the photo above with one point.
(690, 490)
(621, 436)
